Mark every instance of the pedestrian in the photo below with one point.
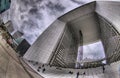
(38, 70)
(39, 67)
(43, 70)
(70, 72)
(77, 74)
(84, 73)
(103, 69)
(43, 65)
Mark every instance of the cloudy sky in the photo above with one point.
(32, 17)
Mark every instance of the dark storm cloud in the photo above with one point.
(38, 1)
(31, 2)
(22, 9)
(27, 2)
(23, 5)
(22, 17)
(59, 7)
(39, 16)
(33, 10)
(55, 6)
(78, 2)
(30, 25)
(35, 13)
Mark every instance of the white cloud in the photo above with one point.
(93, 51)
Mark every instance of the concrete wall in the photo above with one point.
(109, 22)
(66, 51)
(42, 49)
(76, 13)
(110, 39)
(109, 10)
(71, 49)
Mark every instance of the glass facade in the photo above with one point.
(4, 5)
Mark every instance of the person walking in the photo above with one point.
(103, 68)
(43, 70)
(77, 75)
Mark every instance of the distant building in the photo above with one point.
(17, 34)
(9, 26)
(4, 5)
(23, 47)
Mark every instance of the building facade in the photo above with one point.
(95, 21)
